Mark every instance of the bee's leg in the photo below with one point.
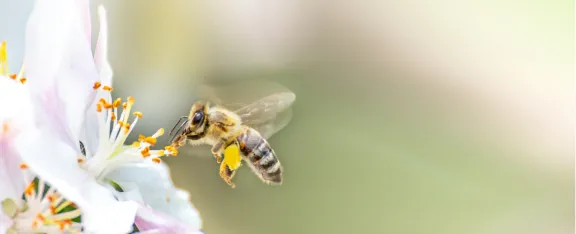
(226, 173)
(218, 151)
(179, 141)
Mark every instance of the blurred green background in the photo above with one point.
(411, 116)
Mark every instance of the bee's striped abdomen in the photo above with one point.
(260, 156)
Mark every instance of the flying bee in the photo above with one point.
(238, 135)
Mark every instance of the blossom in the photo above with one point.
(27, 205)
(87, 129)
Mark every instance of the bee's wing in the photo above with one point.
(268, 115)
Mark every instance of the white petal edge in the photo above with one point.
(157, 190)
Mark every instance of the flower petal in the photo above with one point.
(51, 160)
(157, 190)
(16, 117)
(151, 221)
(5, 223)
(59, 63)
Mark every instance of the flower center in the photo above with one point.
(114, 130)
(41, 209)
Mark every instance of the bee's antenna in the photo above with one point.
(179, 128)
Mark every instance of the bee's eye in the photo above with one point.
(197, 118)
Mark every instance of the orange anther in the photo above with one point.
(52, 209)
(23, 166)
(102, 100)
(41, 217)
(124, 105)
(97, 85)
(156, 160)
(23, 80)
(108, 106)
(98, 107)
(30, 188)
(131, 100)
(145, 152)
(113, 117)
(141, 137)
(150, 140)
(138, 114)
(80, 160)
(107, 88)
(13, 76)
(117, 102)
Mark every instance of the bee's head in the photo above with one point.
(198, 120)
(194, 125)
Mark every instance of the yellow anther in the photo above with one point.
(23, 166)
(145, 152)
(124, 106)
(150, 140)
(52, 209)
(156, 160)
(141, 137)
(158, 133)
(102, 100)
(126, 127)
(161, 153)
(98, 107)
(30, 188)
(120, 123)
(3, 59)
(171, 150)
(23, 80)
(97, 85)
(136, 144)
(107, 88)
(113, 116)
(117, 102)
(131, 100)
(138, 114)
(108, 106)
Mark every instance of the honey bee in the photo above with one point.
(238, 135)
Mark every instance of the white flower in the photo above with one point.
(26, 206)
(71, 90)
(58, 59)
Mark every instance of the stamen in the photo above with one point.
(98, 107)
(30, 188)
(138, 114)
(156, 160)
(158, 133)
(80, 159)
(23, 166)
(97, 85)
(23, 80)
(13, 76)
(3, 59)
(150, 140)
(107, 88)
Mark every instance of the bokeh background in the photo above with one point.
(411, 116)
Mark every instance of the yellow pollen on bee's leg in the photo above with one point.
(170, 151)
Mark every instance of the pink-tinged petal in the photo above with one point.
(16, 117)
(84, 9)
(101, 52)
(5, 223)
(149, 220)
(11, 178)
(55, 162)
(157, 190)
(59, 63)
